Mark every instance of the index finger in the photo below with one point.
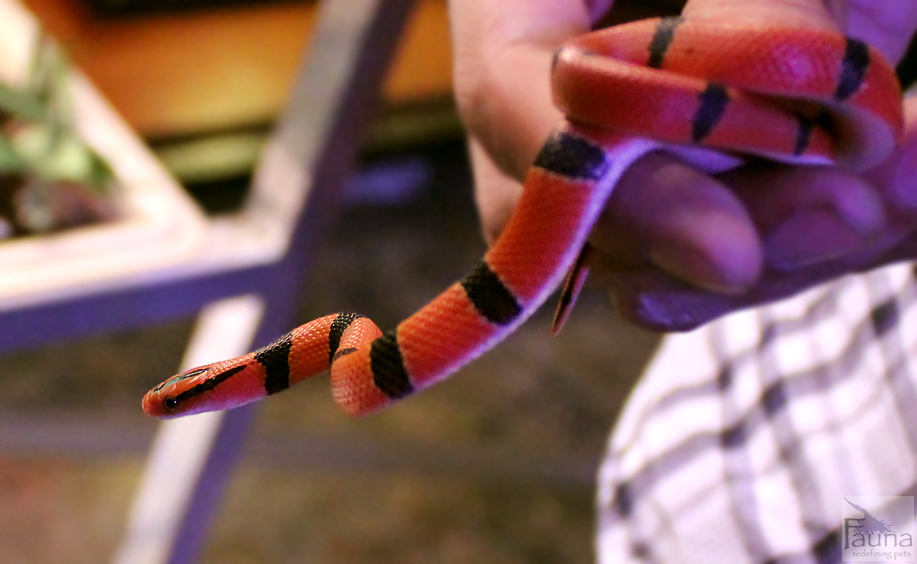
(502, 54)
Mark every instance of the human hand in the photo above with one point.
(680, 247)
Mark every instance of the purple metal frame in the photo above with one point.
(321, 129)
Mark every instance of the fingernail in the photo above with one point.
(725, 265)
(695, 268)
(813, 236)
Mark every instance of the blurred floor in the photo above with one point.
(495, 465)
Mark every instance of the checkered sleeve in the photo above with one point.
(742, 437)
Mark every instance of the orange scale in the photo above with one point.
(352, 384)
(431, 348)
(248, 384)
(773, 60)
(524, 256)
(360, 332)
(309, 352)
(758, 128)
(632, 99)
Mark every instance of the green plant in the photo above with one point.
(54, 178)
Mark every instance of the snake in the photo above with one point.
(718, 93)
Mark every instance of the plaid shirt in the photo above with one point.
(743, 436)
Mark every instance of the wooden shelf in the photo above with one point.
(217, 69)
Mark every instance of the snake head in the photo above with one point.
(211, 387)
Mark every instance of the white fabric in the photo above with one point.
(742, 437)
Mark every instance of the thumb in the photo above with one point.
(495, 192)
(812, 14)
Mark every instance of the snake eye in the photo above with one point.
(170, 403)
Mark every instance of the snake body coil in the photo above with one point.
(789, 94)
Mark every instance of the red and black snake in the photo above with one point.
(790, 94)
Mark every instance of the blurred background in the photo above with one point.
(495, 465)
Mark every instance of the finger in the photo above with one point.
(683, 221)
(887, 26)
(809, 215)
(897, 181)
(502, 53)
(812, 14)
(653, 300)
(897, 176)
(814, 214)
(495, 192)
(667, 213)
